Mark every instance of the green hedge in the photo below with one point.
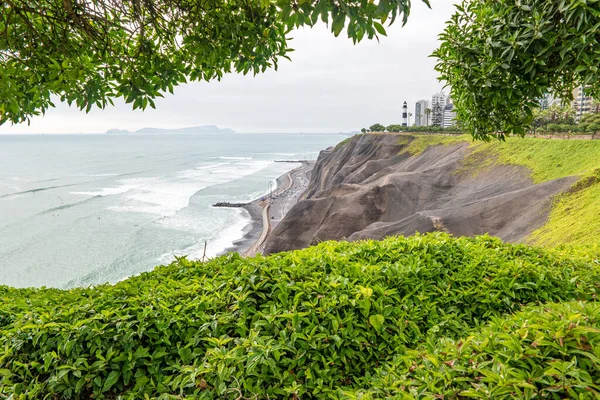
(306, 323)
(546, 352)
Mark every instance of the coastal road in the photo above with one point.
(296, 184)
(290, 188)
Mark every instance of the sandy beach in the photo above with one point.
(266, 212)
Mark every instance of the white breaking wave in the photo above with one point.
(98, 175)
(126, 186)
(210, 166)
(10, 178)
(222, 240)
(166, 196)
(10, 182)
(234, 158)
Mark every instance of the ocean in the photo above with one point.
(80, 210)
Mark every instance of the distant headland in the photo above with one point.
(191, 129)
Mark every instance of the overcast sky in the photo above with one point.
(331, 85)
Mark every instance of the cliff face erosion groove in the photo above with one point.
(372, 186)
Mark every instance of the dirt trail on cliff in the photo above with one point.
(370, 187)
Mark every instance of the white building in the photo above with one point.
(439, 98)
(449, 116)
(421, 117)
(582, 103)
(438, 102)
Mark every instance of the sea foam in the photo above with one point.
(215, 245)
(165, 196)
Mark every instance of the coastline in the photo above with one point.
(290, 187)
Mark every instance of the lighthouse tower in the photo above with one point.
(405, 114)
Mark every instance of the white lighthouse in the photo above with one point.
(405, 114)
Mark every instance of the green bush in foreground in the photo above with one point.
(307, 323)
(549, 352)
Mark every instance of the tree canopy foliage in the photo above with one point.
(501, 56)
(554, 114)
(377, 128)
(89, 52)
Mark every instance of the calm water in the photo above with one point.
(85, 209)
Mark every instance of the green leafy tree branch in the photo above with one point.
(500, 56)
(90, 52)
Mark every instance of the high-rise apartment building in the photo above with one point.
(582, 103)
(421, 116)
(439, 98)
(449, 116)
(438, 102)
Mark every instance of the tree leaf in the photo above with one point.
(377, 321)
(112, 378)
(380, 29)
(186, 354)
(338, 24)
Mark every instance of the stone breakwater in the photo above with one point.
(227, 204)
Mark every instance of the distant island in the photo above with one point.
(191, 129)
(118, 132)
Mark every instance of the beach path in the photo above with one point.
(290, 187)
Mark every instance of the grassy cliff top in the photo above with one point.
(574, 218)
(546, 158)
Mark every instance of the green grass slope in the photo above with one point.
(574, 218)
(315, 323)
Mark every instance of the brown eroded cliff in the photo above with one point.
(371, 187)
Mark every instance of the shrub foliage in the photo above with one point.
(544, 352)
(311, 323)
